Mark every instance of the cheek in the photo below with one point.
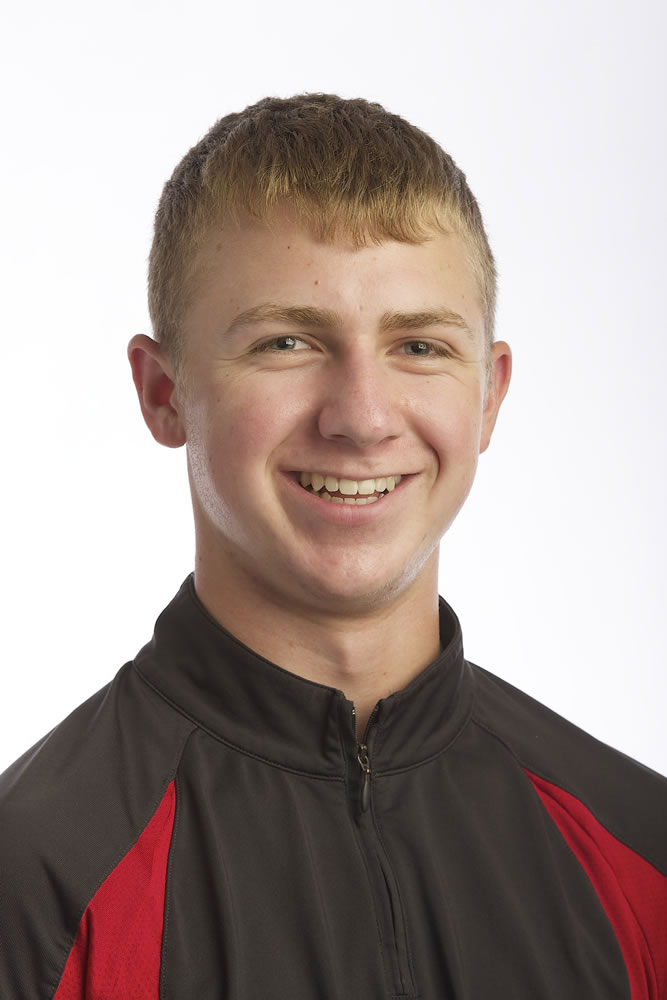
(237, 430)
(253, 427)
(465, 433)
(449, 417)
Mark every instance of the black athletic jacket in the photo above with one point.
(208, 827)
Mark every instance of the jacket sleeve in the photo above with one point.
(86, 818)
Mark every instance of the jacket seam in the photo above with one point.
(560, 784)
(408, 947)
(171, 774)
(234, 746)
(167, 889)
(553, 823)
(434, 756)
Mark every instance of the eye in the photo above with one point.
(425, 349)
(282, 345)
(417, 348)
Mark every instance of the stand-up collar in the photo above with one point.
(264, 710)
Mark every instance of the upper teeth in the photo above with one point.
(349, 487)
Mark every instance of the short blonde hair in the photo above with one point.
(349, 168)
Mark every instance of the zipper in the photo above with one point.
(365, 764)
(364, 759)
(394, 934)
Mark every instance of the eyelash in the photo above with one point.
(437, 349)
(269, 345)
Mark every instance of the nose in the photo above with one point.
(361, 402)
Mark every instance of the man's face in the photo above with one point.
(364, 368)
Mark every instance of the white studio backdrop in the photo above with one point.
(557, 115)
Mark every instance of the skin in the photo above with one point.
(346, 596)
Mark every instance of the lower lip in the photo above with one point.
(346, 513)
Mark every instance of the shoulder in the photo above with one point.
(70, 809)
(108, 747)
(610, 810)
(624, 795)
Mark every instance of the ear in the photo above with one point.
(499, 381)
(154, 380)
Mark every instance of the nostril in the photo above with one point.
(363, 426)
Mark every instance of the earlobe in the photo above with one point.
(155, 384)
(501, 373)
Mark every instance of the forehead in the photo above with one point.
(244, 266)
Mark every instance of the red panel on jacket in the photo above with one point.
(118, 946)
(632, 891)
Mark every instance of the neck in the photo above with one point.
(368, 655)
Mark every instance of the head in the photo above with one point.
(322, 293)
(348, 168)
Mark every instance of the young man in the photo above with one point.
(299, 788)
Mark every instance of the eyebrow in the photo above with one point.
(312, 316)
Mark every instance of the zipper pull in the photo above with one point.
(365, 765)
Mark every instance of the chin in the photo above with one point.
(358, 593)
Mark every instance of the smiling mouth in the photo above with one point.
(348, 491)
